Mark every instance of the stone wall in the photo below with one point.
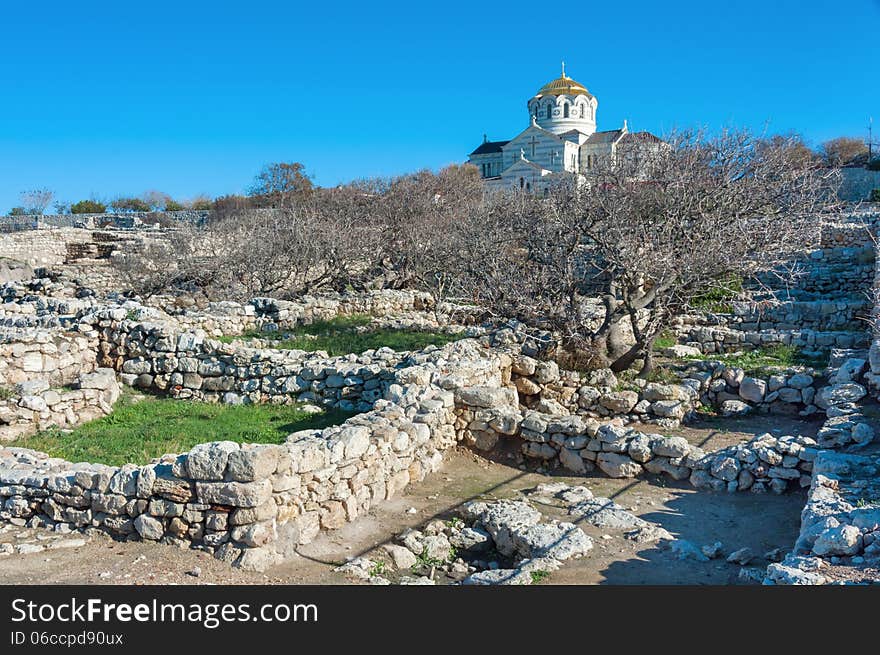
(127, 220)
(35, 404)
(47, 355)
(273, 315)
(838, 527)
(857, 184)
(253, 504)
(156, 356)
(723, 339)
(42, 247)
(826, 307)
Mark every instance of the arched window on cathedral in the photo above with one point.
(528, 186)
(549, 111)
(522, 183)
(565, 110)
(583, 111)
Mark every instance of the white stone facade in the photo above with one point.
(561, 140)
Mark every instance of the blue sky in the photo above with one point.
(109, 98)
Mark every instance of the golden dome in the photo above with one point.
(563, 85)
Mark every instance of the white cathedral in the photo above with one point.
(561, 140)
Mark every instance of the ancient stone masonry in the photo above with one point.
(36, 405)
(827, 308)
(63, 354)
(840, 525)
(187, 365)
(273, 315)
(252, 504)
(127, 220)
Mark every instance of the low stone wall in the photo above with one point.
(252, 504)
(733, 393)
(826, 307)
(542, 386)
(126, 220)
(838, 526)
(188, 365)
(36, 405)
(721, 339)
(272, 315)
(58, 358)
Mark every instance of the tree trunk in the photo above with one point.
(648, 364)
(627, 359)
(619, 340)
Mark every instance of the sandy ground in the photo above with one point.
(761, 522)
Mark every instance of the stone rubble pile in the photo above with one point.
(500, 542)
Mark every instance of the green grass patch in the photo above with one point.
(718, 298)
(6, 393)
(139, 430)
(539, 576)
(763, 360)
(344, 334)
(665, 340)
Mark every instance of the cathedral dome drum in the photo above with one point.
(564, 104)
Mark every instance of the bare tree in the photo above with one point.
(320, 243)
(651, 231)
(156, 200)
(418, 217)
(280, 184)
(36, 200)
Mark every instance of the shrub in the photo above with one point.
(130, 205)
(173, 206)
(201, 203)
(18, 211)
(875, 195)
(88, 207)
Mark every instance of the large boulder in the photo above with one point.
(679, 351)
(850, 371)
(731, 408)
(619, 402)
(605, 513)
(560, 541)
(503, 519)
(618, 466)
(752, 389)
(839, 394)
(207, 461)
(486, 396)
(839, 540)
